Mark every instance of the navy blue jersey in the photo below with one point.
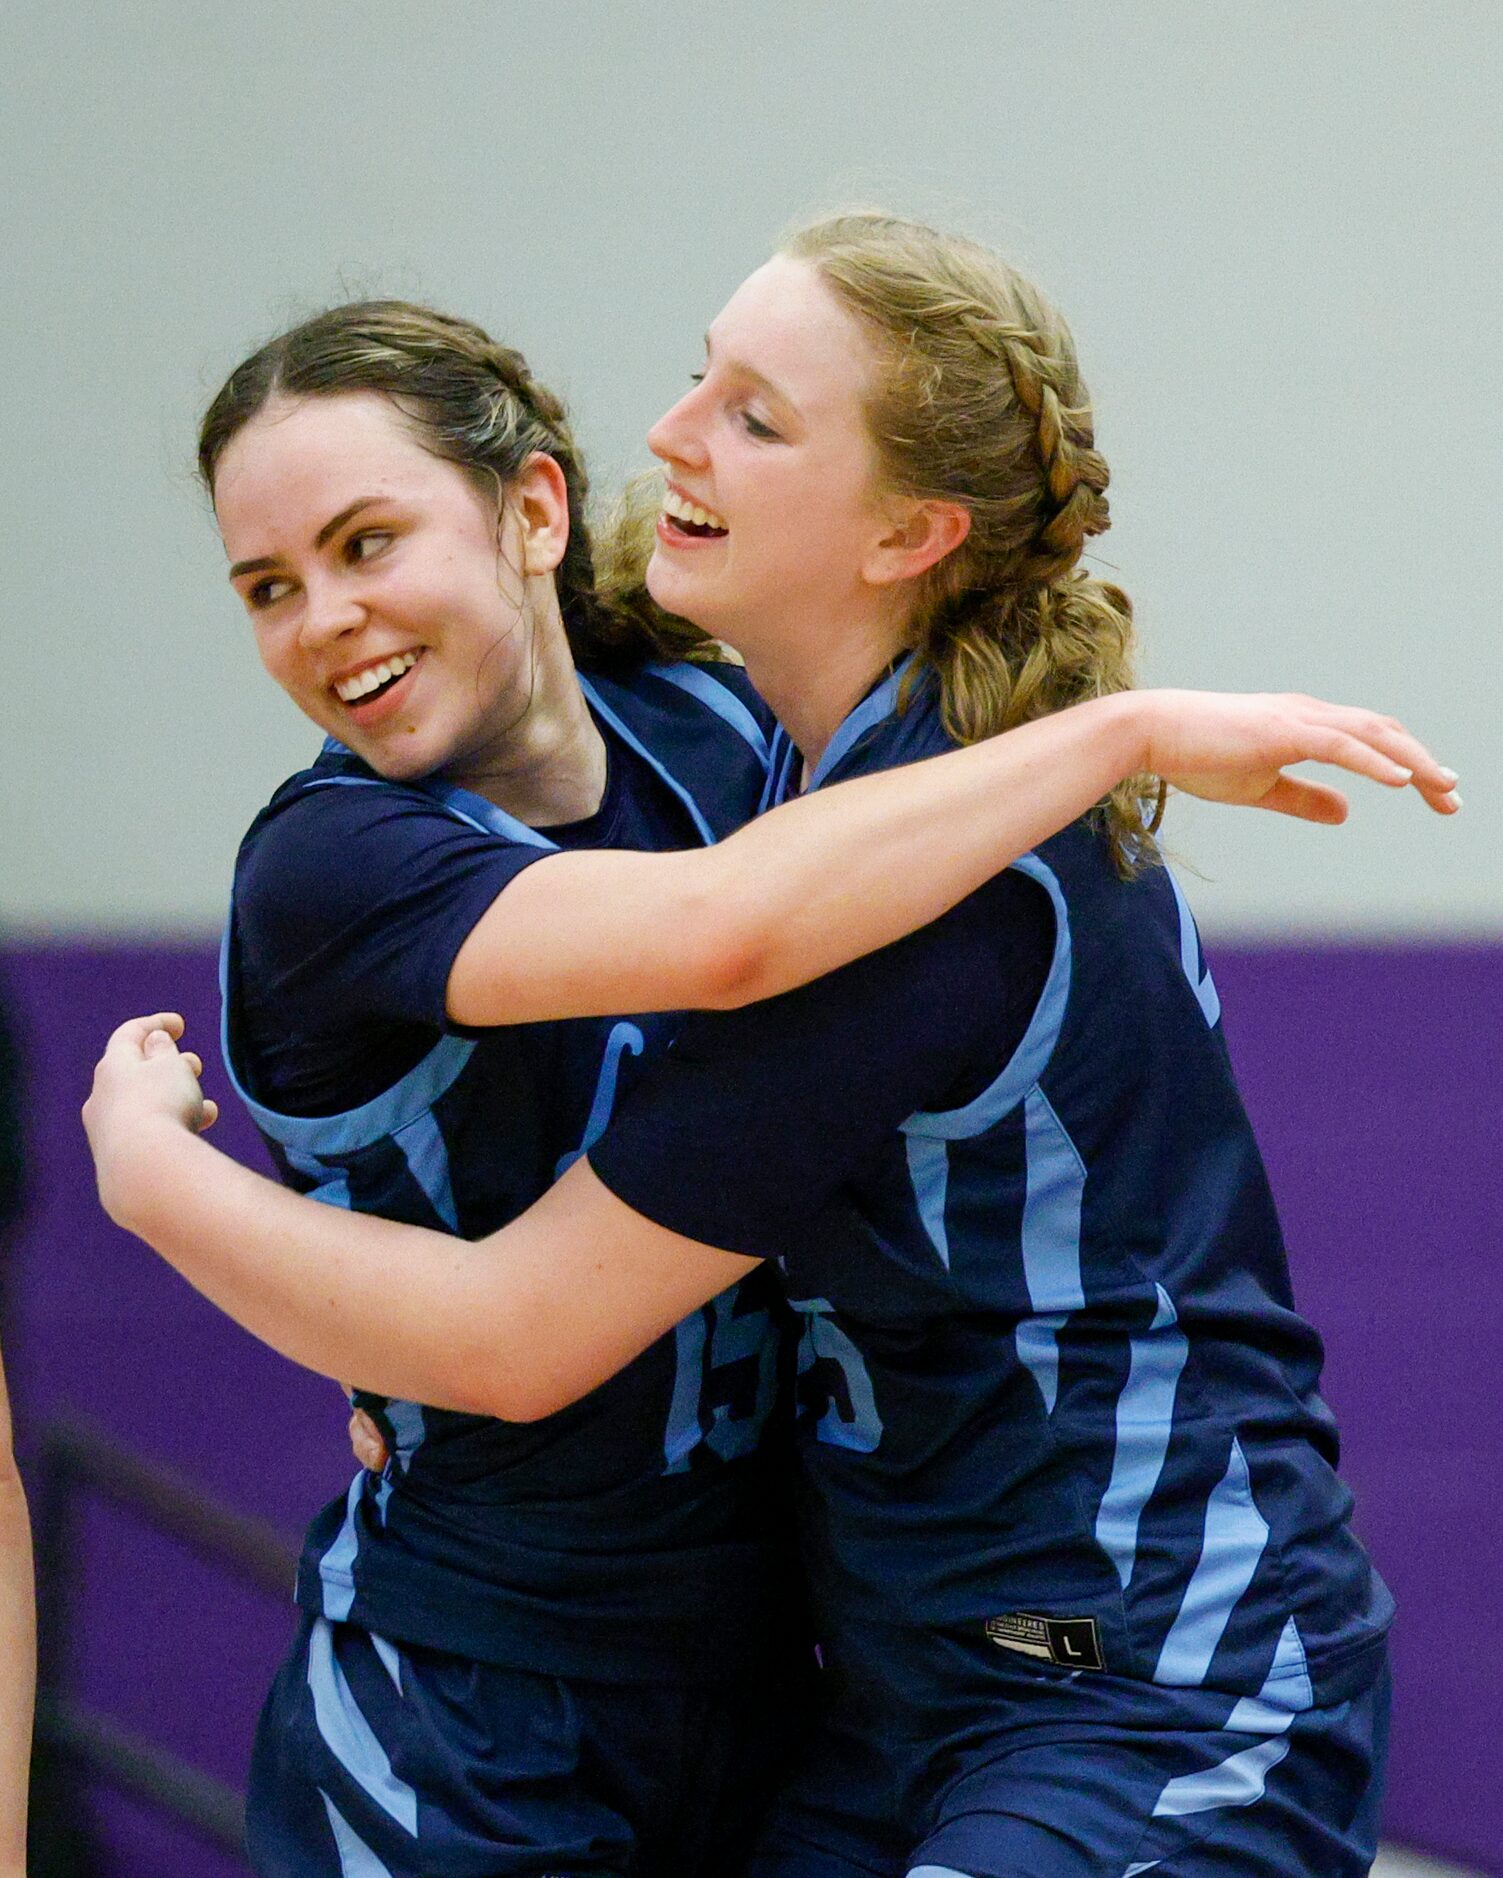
(626, 1537)
(1056, 1387)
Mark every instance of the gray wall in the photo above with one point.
(1275, 229)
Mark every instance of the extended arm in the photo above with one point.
(515, 1326)
(850, 868)
(18, 1652)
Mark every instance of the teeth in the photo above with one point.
(683, 511)
(374, 677)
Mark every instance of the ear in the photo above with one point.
(921, 534)
(538, 497)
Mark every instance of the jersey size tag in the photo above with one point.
(1071, 1642)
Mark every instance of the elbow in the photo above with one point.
(507, 1391)
(738, 962)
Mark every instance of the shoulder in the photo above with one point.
(337, 843)
(709, 694)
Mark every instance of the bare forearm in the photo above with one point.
(513, 1326)
(803, 890)
(18, 1653)
(854, 867)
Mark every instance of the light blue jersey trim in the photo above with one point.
(1145, 1418)
(386, 1114)
(1286, 1692)
(1235, 1535)
(1031, 1058)
(484, 815)
(348, 1736)
(717, 698)
(630, 738)
(929, 1171)
(1190, 957)
(869, 712)
(781, 761)
(391, 1658)
(331, 1185)
(356, 1859)
(1051, 1240)
(1240, 1780)
(427, 1157)
(624, 1039)
(336, 1569)
(409, 1427)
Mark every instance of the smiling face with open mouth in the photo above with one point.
(772, 501)
(384, 596)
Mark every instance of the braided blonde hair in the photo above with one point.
(476, 404)
(979, 400)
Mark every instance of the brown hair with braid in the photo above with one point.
(475, 404)
(978, 400)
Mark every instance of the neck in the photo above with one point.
(546, 765)
(813, 683)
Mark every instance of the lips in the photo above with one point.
(365, 707)
(370, 680)
(683, 517)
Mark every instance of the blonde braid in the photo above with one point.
(978, 400)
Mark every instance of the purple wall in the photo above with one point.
(1375, 1078)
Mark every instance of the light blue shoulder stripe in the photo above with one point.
(484, 815)
(356, 1859)
(870, 711)
(1144, 1420)
(716, 697)
(627, 736)
(349, 1736)
(1235, 1536)
(1031, 1058)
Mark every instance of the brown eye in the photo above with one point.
(266, 593)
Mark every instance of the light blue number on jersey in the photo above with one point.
(851, 1422)
(718, 1400)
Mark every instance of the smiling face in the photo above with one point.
(773, 447)
(387, 601)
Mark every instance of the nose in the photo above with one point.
(331, 608)
(678, 435)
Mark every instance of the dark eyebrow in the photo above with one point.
(329, 529)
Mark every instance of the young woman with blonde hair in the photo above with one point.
(1087, 1594)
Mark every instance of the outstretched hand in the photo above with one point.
(142, 1080)
(1234, 747)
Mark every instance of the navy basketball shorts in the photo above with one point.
(1136, 1779)
(375, 1760)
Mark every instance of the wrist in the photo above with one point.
(1125, 724)
(132, 1165)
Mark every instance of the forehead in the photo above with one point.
(312, 454)
(784, 322)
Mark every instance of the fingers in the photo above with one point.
(1307, 801)
(133, 1033)
(210, 1114)
(1399, 748)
